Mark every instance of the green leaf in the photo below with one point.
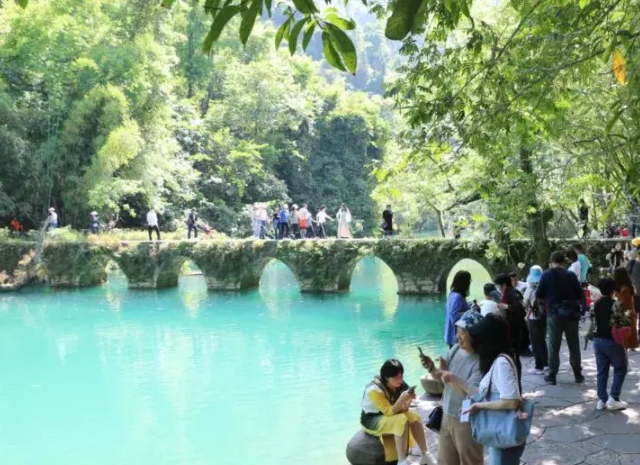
(249, 19)
(448, 4)
(305, 6)
(612, 121)
(211, 7)
(165, 3)
(584, 3)
(345, 46)
(464, 7)
(607, 53)
(401, 19)
(308, 34)
(218, 25)
(268, 4)
(25, 3)
(342, 23)
(295, 32)
(280, 32)
(330, 53)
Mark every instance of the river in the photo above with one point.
(107, 376)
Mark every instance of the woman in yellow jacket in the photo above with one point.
(386, 414)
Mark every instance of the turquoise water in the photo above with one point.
(111, 376)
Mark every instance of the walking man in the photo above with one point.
(192, 224)
(152, 223)
(52, 220)
(563, 297)
(322, 218)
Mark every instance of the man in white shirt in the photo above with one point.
(516, 283)
(52, 221)
(152, 223)
(322, 218)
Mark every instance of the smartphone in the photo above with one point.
(412, 389)
(430, 364)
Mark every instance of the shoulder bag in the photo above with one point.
(501, 429)
(435, 417)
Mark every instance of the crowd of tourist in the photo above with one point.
(482, 372)
(293, 222)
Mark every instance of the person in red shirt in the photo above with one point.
(16, 226)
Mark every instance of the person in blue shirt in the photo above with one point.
(284, 222)
(585, 264)
(456, 305)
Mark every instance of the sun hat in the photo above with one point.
(636, 242)
(535, 273)
(468, 319)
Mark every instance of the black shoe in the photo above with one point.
(550, 379)
(579, 379)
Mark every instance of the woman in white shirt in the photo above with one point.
(575, 267)
(491, 342)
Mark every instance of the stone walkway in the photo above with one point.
(567, 428)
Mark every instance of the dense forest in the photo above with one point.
(493, 117)
(112, 106)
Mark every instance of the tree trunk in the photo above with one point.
(537, 221)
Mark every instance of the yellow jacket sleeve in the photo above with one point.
(381, 402)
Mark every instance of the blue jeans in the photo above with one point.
(509, 456)
(609, 353)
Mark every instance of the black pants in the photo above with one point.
(284, 227)
(296, 230)
(321, 233)
(538, 337)
(156, 229)
(557, 326)
(195, 231)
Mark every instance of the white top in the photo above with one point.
(530, 300)
(262, 214)
(522, 287)
(53, 218)
(489, 306)
(152, 218)
(575, 269)
(303, 214)
(322, 216)
(504, 380)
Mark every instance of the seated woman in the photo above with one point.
(386, 414)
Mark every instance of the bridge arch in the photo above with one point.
(345, 275)
(481, 273)
(258, 279)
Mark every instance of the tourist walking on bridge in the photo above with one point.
(322, 218)
(283, 231)
(94, 222)
(152, 223)
(562, 294)
(295, 221)
(304, 220)
(52, 219)
(192, 224)
(387, 222)
(344, 219)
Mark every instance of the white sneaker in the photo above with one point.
(403, 462)
(613, 404)
(535, 371)
(427, 460)
(601, 405)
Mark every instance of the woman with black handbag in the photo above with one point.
(455, 445)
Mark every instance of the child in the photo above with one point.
(489, 304)
(607, 351)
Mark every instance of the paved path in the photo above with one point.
(567, 428)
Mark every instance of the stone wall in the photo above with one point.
(420, 266)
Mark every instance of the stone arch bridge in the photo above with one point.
(420, 266)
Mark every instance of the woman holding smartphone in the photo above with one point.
(455, 444)
(386, 414)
